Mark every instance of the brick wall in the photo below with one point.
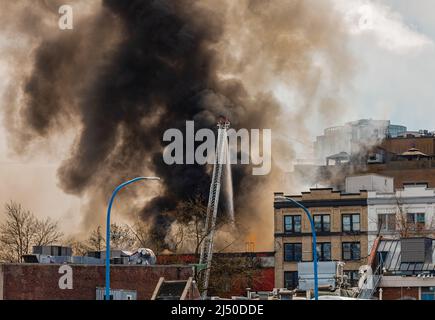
(401, 171)
(400, 293)
(264, 275)
(400, 145)
(41, 282)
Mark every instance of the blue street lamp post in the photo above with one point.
(109, 208)
(313, 231)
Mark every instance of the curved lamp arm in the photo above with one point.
(109, 208)
(313, 231)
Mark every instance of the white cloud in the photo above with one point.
(367, 17)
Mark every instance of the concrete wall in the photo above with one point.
(41, 282)
(399, 281)
(369, 182)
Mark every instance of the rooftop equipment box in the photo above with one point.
(369, 182)
(55, 251)
(416, 250)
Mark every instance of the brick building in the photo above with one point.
(388, 158)
(34, 281)
(399, 145)
(341, 227)
(403, 172)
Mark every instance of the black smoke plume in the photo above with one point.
(135, 68)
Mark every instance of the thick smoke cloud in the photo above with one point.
(132, 69)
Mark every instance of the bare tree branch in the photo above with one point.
(21, 230)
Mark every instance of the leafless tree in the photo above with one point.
(141, 233)
(406, 228)
(188, 233)
(403, 226)
(79, 248)
(21, 230)
(96, 240)
(121, 236)
(46, 232)
(231, 274)
(16, 232)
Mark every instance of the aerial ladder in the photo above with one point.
(221, 155)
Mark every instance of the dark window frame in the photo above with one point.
(353, 256)
(322, 222)
(351, 215)
(293, 229)
(295, 257)
(416, 225)
(386, 226)
(321, 254)
(294, 279)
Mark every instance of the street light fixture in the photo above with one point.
(313, 231)
(109, 208)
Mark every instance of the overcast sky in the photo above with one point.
(393, 45)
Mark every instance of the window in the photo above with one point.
(351, 251)
(324, 251)
(293, 252)
(428, 293)
(322, 223)
(291, 279)
(416, 221)
(381, 257)
(352, 277)
(350, 222)
(292, 224)
(386, 222)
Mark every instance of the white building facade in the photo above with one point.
(409, 211)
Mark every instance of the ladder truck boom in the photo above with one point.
(213, 200)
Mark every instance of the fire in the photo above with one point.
(250, 242)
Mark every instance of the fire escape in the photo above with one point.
(370, 283)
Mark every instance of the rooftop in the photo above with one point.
(393, 257)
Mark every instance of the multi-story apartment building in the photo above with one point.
(409, 211)
(341, 228)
